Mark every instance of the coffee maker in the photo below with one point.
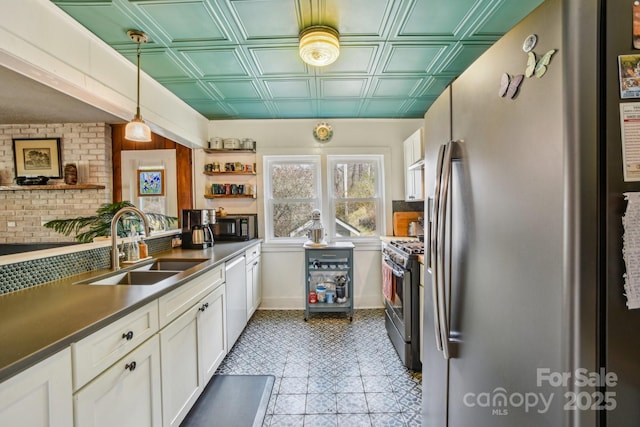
(196, 228)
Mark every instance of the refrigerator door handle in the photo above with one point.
(434, 248)
(442, 221)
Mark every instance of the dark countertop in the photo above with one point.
(37, 322)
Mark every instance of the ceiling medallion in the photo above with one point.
(322, 132)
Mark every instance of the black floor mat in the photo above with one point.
(232, 401)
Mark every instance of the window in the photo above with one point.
(292, 191)
(355, 195)
(354, 202)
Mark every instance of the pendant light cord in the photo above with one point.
(138, 92)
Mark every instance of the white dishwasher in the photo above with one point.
(236, 293)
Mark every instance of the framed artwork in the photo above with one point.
(151, 182)
(37, 157)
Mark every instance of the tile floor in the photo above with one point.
(329, 371)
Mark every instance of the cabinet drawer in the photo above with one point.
(180, 300)
(101, 349)
(252, 252)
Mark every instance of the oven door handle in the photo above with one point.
(435, 274)
(396, 272)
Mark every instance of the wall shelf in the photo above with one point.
(229, 196)
(217, 151)
(228, 173)
(14, 187)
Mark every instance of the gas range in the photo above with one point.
(403, 252)
(401, 290)
(411, 247)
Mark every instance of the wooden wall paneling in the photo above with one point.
(185, 183)
(183, 163)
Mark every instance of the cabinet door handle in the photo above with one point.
(128, 336)
(255, 263)
(204, 306)
(130, 366)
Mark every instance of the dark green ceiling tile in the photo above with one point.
(251, 109)
(434, 85)
(101, 18)
(395, 86)
(395, 54)
(339, 107)
(417, 107)
(462, 57)
(289, 88)
(364, 17)
(187, 90)
(274, 61)
(158, 64)
(353, 59)
(212, 109)
(297, 108)
(266, 19)
(341, 88)
(412, 58)
(382, 107)
(435, 17)
(184, 21)
(506, 16)
(237, 89)
(216, 63)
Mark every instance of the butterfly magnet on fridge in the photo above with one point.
(509, 85)
(538, 67)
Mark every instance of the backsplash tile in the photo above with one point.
(22, 275)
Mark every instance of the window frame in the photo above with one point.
(378, 199)
(268, 162)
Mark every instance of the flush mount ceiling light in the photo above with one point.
(137, 130)
(319, 45)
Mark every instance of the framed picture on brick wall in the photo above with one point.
(37, 157)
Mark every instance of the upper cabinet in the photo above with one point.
(414, 167)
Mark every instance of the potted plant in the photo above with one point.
(86, 229)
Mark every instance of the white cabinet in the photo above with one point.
(236, 290)
(180, 300)
(39, 396)
(414, 166)
(98, 351)
(254, 291)
(212, 331)
(125, 395)
(192, 347)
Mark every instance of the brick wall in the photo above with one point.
(23, 212)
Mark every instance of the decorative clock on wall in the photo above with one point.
(322, 132)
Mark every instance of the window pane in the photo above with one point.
(355, 218)
(293, 181)
(291, 219)
(354, 180)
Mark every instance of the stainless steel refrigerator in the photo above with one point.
(525, 322)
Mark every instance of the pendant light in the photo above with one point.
(319, 45)
(137, 130)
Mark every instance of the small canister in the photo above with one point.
(321, 292)
(313, 298)
(330, 297)
(216, 143)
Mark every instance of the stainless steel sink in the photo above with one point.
(171, 264)
(134, 277)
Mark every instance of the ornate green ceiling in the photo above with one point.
(238, 59)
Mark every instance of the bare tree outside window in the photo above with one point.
(355, 192)
(294, 194)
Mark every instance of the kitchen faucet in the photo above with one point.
(115, 261)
